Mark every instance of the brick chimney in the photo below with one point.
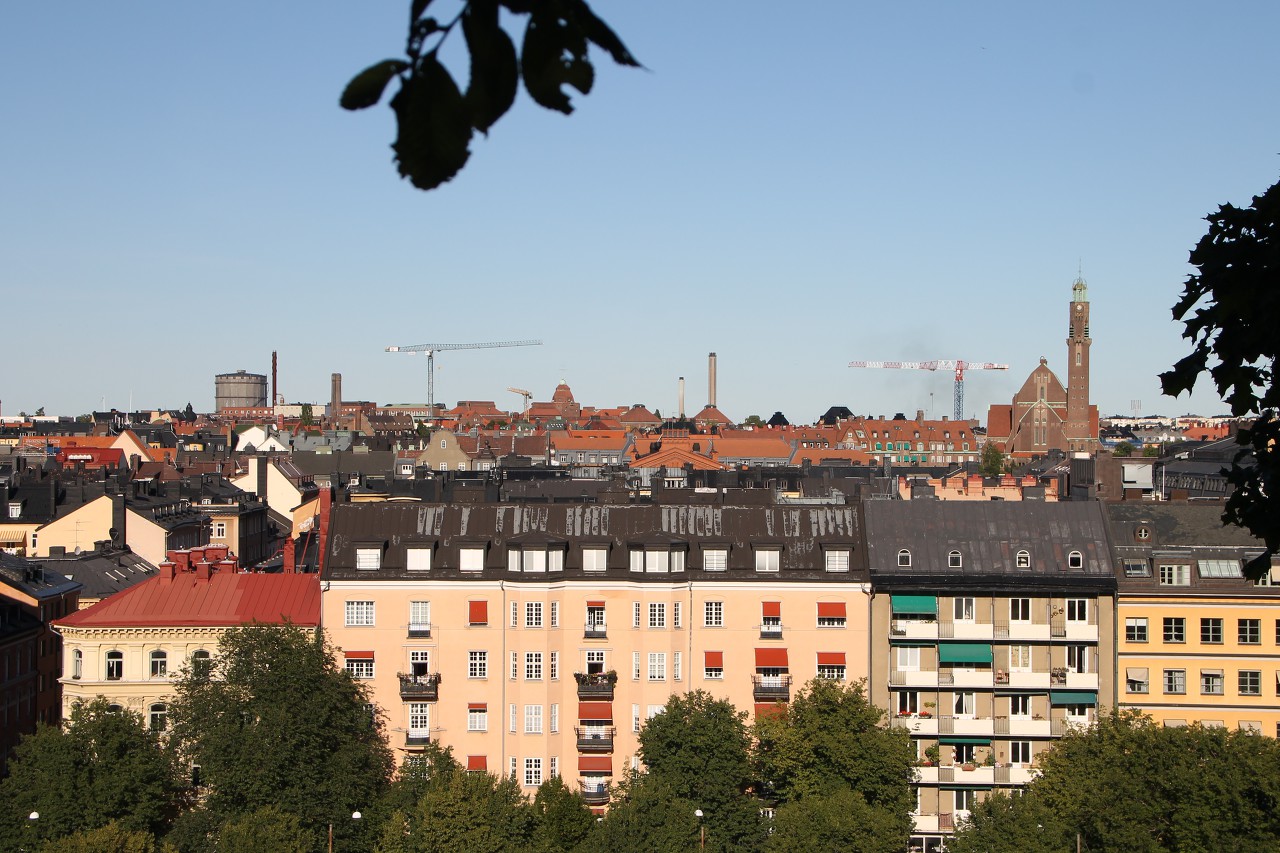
(167, 570)
(290, 556)
(203, 570)
(326, 509)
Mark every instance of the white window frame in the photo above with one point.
(713, 614)
(768, 559)
(908, 658)
(533, 719)
(477, 664)
(478, 719)
(657, 614)
(368, 557)
(657, 666)
(533, 614)
(360, 668)
(1175, 575)
(595, 559)
(715, 559)
(836, 559)
(471, 558)
(419, 615)
(955, 560)
(418, 558)
(359, 614)
(533, 666)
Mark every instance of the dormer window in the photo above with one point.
(659, 560)
(15, 509)
(537, 559)
(1024, 559)
(768, 559)
(368, 557)
(1075, 560)
(1142, 534)
(904, 558)
(954, 561)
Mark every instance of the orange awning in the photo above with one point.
(478, 763)
(478, 612)
(775, 709)
(771, 658)
(477, 706)
(595, 711)
(830, 609)
(830, 658)
(358, 655)
(595, 604)
(715, 660)
(595, 764)
(771, 609)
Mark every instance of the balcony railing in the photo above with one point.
(771, 631)
(419, 629)
(946, 823)
(595, 795)
(596, 685)
(420, 687)
(417, 737)
(595, 631)
(771, 688)
(595, 739)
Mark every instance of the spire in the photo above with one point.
(1080, 290)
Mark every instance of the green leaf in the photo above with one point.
(434, 126)
(494, 70)
(600, 34)
(365, 89)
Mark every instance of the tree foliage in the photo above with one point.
(104, 766)
(1230, 308)
(1123, 449)
(461, 811)
(992, 461)
(275, 722)
(647, 814)
(436, 118)
(267, 830)
(839, 819)
(111, 838)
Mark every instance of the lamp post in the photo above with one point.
(702, 830)
(31, 822)
(354, 816)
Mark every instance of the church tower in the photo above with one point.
(1078, 429)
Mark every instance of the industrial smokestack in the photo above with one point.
(335, 403)
(275, 390)
(711, 379)
(681, 407)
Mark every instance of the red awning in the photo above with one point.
(595, 764)
(830, 609)
(358, 655)
(479, 763)
(715, 660)
(771, 609)
(830, 658)
(477, 706)
(595, 604)
(595, 711)
(478, 612)
(771, 658)
(775, 709)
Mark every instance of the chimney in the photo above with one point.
(680, 408)
(167, 571)
(290, 556)
(322, 541)
(919, 416)
(335, 393)
(274, 387)
(711, 379)
(203, 571)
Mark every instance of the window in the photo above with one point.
(635, 718)
(477, 613)
(1175, 681)
(477, 718)
(1136, 680)
(677, 614)
(713, 665)
(555, 722)
(420, 618)
(908, 702)
(635, 666)
(1250, 682)
(515, 614)
(767, 559)
(532, 772)
(954, 561)
(595, 661)
(420, 663)
(962, 609)
(201, 663)
(159, 664)
(1020, 752)
(419, 719)
(359, 613)
(1175, 629)
(677, 661)
(533, 666)
(1023, 560)
(220, 532)
(594, 559)
(418, 559)
(158, 717)
(908, 658)
(1077, 610)
(533, 719)
(1250, 631)
(1019, 610)
(360, 667)
(554, 615)
(1135, 629)
(1211, 630)
(471, 559)
(595, 619)
(657, 666)
(657, 615)
(965, 702)
(15, 510)
(715, 559)
(831, 614)
(1211, 682)
(115, 666)
(713, 616)
(553, 666)
(1020, 705)
(635, 614)
(904, 558)
(1020, 658)
(515, 665)
(368, 558)
(1137, 569)
(1175, 575)
(1075, 560)
(836, 560)
(77, 663)
(533, 614)
(834, 672)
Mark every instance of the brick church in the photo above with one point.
(1046, 415)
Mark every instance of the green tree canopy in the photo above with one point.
(1230, 308)
(992, 461)
(647, 814)
(461, 811)
(111, 838)
(267, 830)
(1124, 448)
(276, 722)
(839, 819)
(103, 766)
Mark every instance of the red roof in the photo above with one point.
(225, 599)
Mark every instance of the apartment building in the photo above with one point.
(992, 629)
(1199, 643)
(535, 639)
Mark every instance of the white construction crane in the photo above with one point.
(957, 394)
(432, 349)
(525, 395)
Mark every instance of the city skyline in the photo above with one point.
(184, 196)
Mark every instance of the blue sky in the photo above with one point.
(793, 186)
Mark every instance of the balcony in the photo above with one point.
(914, 629)
(597, 686)
(420, 688)
(950, 724)
(771, 631)
(595, 795)
(419, 630)
(595, 738)
(595, 631)
(417, 737)
(962, 677)
(771, 688)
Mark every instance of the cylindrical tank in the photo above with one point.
(239, 389)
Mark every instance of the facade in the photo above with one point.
(536, 639)
(1198, 642)
(992, 629)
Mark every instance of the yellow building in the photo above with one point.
(1198, 643)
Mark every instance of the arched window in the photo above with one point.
(114, 708)
(201, 663)
(954, 561)
(1024, 559)
(159, 664)
(904, 557)
(115, 666)
(1075, 560)
(77, 663)
(158, 717)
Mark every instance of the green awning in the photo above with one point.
(964, 653)
(1073, 697)
(914, 603)
(952, 740)
(953, 786)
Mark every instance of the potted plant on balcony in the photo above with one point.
(928, 710)
(990, 760)
(930, 756)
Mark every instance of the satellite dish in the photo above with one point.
(77, 551)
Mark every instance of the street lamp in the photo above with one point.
(702, 830)
(354, 816)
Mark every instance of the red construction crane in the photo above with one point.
(957, 395)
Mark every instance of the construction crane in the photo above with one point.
(957, 395)
(432, 349)
(525, 395)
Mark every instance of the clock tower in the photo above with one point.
(1078, 429)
